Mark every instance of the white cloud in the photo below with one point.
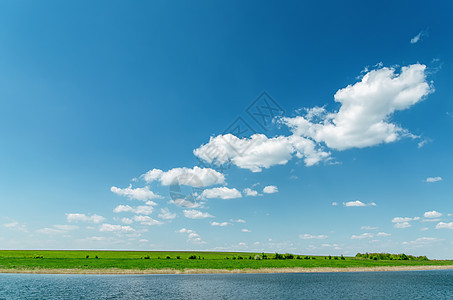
(369, 228)
(195, 177)
(443, 225)
(418, 37)
(192, 236)
(142, 194)
(249, 192)
(166, 214)
(66, 227)
(334, 203)
(404, 219)
(307, 236)
(422, 241)
(358, 203)
(126, 220)
(116, 228)
(221, 192)
(362, 236)
(259, 151)
(222, 224)
(84, 218)
(246, 230)
(143, 209)
(270, 189)
(50, 231)
(433, 179)
(402, 225)
(16, 226)
(196, 214)
(383, 234)
(432, 214)
(185, 203)
(403, 222)
(363, 119)
(146, 220)
(237, 221)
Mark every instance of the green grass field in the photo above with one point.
(142, 260)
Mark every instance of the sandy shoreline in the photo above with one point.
(222, 271)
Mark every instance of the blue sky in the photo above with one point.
(107, 108)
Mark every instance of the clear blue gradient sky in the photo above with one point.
(94, 95)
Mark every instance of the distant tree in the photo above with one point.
(342, 257)
(168, 257)
(87, 256)
(258, 257)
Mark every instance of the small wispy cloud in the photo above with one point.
(358, 203)
(311, 237)
(419, 36)
(433, 179)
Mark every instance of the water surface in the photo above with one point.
(358, 285)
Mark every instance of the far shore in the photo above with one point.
(222, 271)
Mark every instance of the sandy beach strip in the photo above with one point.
(224, 271)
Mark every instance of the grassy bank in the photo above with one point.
(168, 260)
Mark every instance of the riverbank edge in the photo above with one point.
(114, 271)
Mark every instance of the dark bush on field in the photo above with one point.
(193, 257)
(342, 257)
(146, 257)
(279, 256)
(289, 256)
(87, 256)
(96, 256)
(168, 257)
(336, 257)
(39, 256)
(307, 257)
(178, 257)
(388, 256)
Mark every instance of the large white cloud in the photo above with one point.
(84, 218)
(259, 151)
(142, 194)
(221, 192)
(363, 119)
(195, 177)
